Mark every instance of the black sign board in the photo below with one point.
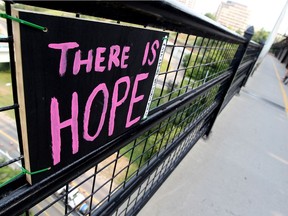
(80, 84)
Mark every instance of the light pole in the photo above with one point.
(271, 37)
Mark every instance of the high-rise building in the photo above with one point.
(233, 15)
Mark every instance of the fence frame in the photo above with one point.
(19, 196)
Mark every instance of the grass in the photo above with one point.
(7, 173)
(169, 94)
(134, 154)
(6, 97)
(164, 65)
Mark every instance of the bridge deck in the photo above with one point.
(242, 169)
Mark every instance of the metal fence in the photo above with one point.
(280, 50)
(204, 66)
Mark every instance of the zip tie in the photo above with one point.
(23, 171)
(165, 38)
(6, 16)
(10, 180)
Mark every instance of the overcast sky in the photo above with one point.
(263, 13)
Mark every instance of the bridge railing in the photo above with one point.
(203, 67)
(280, 50)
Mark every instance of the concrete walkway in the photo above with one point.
(242, 169)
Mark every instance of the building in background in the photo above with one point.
(189, 3)
(233, 15)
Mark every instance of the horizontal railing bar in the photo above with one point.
(139, 205)
(194, 66)
(200, 47)
(197, 91)
(6, 39)
(166, 15)
(25, 198)
(14, 106)
(160, 14)
(131, 186)
(11, 161)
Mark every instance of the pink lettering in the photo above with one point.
(114, 56)
(101, 87)
(135, 99)
(120, 94)
(64, 47)
(154, 47)
(116, 102)
(125, 56)
(56, 127)
(99, 59)
(78, 62)
(145, 54)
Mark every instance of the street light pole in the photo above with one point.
(271, 37)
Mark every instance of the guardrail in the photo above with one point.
(204, 66)
(280, 50)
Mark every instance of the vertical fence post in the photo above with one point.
(235, 65)
(281, 50)
(284, 56)
(252, 67)
(13, 76)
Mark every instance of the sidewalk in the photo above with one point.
(242, 169)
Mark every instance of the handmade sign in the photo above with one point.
(80, 84)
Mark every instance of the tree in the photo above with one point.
(211, 16)
(260, 36)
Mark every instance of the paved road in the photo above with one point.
(57, 209)
(9, 148)
(242, 169)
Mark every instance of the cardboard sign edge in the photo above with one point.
(20, 91)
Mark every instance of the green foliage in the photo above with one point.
(141, 150)
(185, 60)
(207, 62)
(260, 36)
(239, 32)
(164, 65)
(7, 173)
(211, 16)
(30, 214)
(203, 42)
(207, 55)
(2, 6)
(6, 97)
